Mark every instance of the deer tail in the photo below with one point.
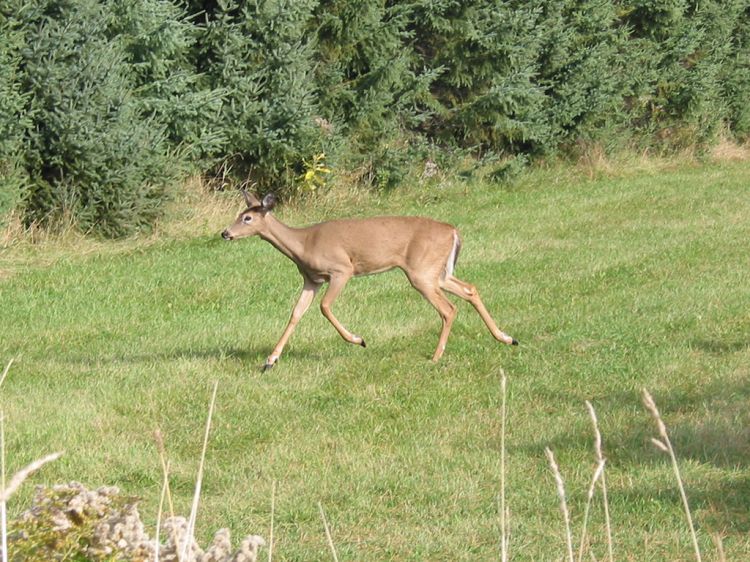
(450, 265)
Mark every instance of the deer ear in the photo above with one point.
(269, 202)
(250, 199)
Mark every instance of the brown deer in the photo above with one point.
(334, 252)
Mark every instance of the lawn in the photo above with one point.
(611, 283)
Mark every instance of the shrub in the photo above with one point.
(734, 75)
(71, 522)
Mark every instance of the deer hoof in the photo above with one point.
(514, 342)
(362, 343)
(270, 362)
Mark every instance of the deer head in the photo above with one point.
(250, 221)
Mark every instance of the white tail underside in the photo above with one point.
(451, 263)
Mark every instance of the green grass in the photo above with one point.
(613, 284)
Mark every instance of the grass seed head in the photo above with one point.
(650, 405)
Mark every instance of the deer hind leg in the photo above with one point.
(430, 289)
(334, 288)
(469, 293)
(305, 299)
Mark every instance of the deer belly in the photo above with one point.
(361, 272)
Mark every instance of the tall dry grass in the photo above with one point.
(190, 535)
(273, 514)
(594, 161)
(664, 444)
(560, 485)
(503, 509)
(601, 462)
(327, 530)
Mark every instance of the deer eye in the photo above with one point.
(247, 219)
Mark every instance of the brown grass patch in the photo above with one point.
(727, 150)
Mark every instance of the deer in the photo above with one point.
(335, 251)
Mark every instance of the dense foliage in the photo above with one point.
(104, 104)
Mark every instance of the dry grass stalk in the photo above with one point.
(563, 501)
(600, 459)
(719, 542)
(164, 488)
(3, 507)
(3, 510)
(328, 533)
(597, 474)
(24, 473)
(188, 539)
(273, 511)
(159, 439)
(503, 518)
(665, 445)
(5, 372)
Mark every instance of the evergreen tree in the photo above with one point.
(580, 68)
(93, 155)
(103, 103)
(734, 75)
(370, 85)
(679, 49)
(486, 53)
(14, 119)
(159, 38)
(260, 56)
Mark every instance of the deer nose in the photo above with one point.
(226, 236)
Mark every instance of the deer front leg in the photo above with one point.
(309, 290)
(334, 288)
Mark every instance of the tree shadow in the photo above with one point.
(716, 507)
(705, 422)
(708, 426)
(719, 346)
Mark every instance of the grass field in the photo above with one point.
(629, 280)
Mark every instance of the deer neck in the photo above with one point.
(287, 240)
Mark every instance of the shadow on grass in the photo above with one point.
(723, 507)
(707, 423)
(716, 507)
(249, 354)
(709, 427)
(719, 347)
